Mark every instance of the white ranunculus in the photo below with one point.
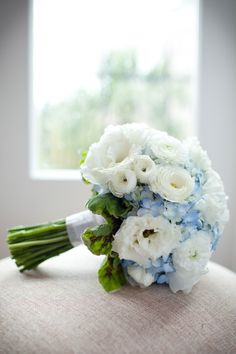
(144, 168)
(197, 154)
(190, 260)
(145, 237)
(122, 181)
(168, 148)
(141, 276)
(172, 183)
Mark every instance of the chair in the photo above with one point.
(61, 308)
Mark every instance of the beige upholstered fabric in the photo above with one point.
(62, 309)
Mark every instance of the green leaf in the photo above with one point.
(83, 157)
(109, 206)
(99, 239)
(81, 162)
(111, 275)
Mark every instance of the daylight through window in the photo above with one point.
(106, 62)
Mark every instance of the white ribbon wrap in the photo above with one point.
(77, 223)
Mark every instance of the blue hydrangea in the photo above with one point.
(159, 268)
(153, 205)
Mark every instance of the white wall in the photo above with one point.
(217, 104)
(25, 201)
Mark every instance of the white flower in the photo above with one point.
(213, 204)
(136, 133)
(197, 154)
(213, 211)
(190, 260)
(184, 280)
(168, 148)
(144, 168)
(117, 144)
(122, 180)
(193, 253)
(172, 183)
(112, 149)
(214, 184)
(145, 237)
(140, 275)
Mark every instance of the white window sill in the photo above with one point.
(56, 175)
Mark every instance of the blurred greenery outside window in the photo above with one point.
(159, 95)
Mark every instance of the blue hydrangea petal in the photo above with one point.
(162, 279)
(191, 217)
(216, 237)
(168, 268)
(146, 203)
(143, 211)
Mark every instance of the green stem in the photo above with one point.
(41, 251)
(32, 245)
(21, 238)
(34, 264)
(25, 228)
(39, 230)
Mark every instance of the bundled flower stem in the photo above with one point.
(31, 245)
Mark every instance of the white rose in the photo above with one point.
(145, 237)
(197, 154)
(141, 276)
(144, 168)
(168, 148)
(172, 183)
(190, 260)
(122, 181)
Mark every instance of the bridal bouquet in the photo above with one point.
(156, 212)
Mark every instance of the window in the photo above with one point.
(105, 62)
